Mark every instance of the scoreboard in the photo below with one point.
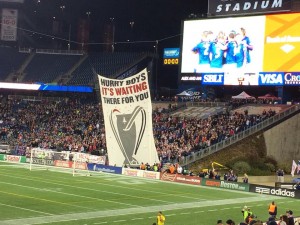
(171, 56)
(251, 50)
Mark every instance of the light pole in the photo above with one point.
(62, 7)
(88, 14)
(112, 19)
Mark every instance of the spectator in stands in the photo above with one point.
(271, 221)
(230, 222)
(290, 216)
(43, 124)
(219, 222)
(245, 178)
(142, 166)
(283, 220)
(280, 175)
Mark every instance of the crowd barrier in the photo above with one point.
(179, 178)
(141, 173)
(103, 168)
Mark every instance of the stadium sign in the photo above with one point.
(274, 191)
(48, 162)
(292, 79)
(127, 111)
(242, 7)
(213, 78)
(105, 169)
(270, 78)
(13, 158)
(179, 178)
(226, 184)
(9, 22)
(171, 56)
(171, 53)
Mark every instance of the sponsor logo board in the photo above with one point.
(181, 178)
(270, 78)
(213, 78)
(226, 184)
(274, 191)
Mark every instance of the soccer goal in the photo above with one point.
(74, 163)
(79, 164)
(41, 159)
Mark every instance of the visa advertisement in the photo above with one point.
(254, 50)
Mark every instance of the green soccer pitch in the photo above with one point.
(56, 197)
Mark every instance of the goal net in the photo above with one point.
(64, 161)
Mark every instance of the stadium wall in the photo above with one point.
(283, 141)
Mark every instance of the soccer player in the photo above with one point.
(231, 45)
(247, 44)
(217, 51)
(240, 51)
(203, 49)
(160, 218)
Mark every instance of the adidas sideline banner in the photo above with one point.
(127, 111)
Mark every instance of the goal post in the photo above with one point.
(74, 163)
(80, 161)
(40, 158)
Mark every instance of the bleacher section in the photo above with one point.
(200, 112)
(106, 64)
(10, 61)
(47, 67)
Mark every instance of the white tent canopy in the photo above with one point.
(243, 95)
(184, 94)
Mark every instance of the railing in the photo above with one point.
(25, 50)
(36, 98)
(206, 104)
(59, 52)
(239, 136)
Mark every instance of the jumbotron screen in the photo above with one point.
(254, 50)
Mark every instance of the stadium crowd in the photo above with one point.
(77, 125)
(177, 137)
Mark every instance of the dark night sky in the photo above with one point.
(153, 19)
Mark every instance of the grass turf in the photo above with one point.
(51, 197)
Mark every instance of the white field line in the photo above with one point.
(69, 194)
(109, 185)
(131, 211)
(25, 209)
(117, 176)
(89, 189)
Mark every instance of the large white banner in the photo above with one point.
(9, 23)
(127, 113)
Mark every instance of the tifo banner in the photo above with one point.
(9, 22)
(127, 113)
(236, 7)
